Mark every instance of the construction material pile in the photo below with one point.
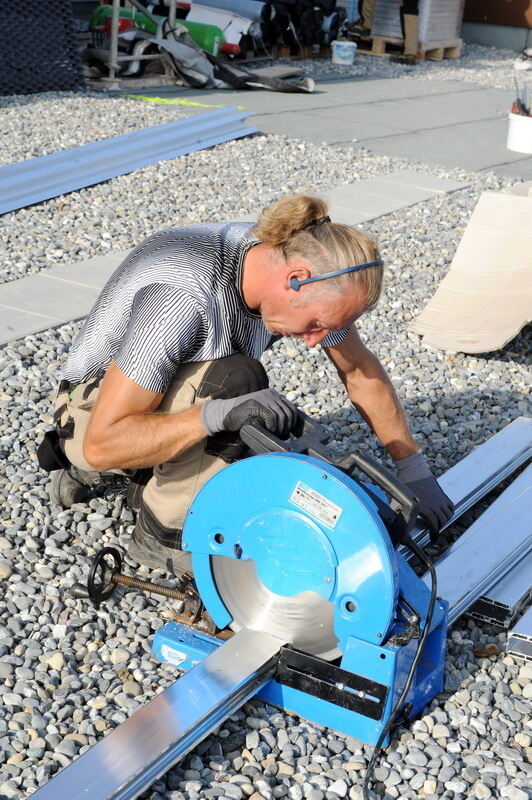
(243, 27)
(439, 20)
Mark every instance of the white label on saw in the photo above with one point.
(315, 503)
(175, 657)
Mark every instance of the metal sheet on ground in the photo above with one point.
(479, 472)
(42, 178)
(146, 745)
(490, 547)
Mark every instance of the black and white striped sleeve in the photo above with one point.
(165, 327)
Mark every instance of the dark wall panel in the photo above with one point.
(38, 51)
(517, 13)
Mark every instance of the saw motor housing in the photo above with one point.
(289, 544)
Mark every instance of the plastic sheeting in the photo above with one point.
(486, 297)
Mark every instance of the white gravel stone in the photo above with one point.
(6, 570)
(55, 661)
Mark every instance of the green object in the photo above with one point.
(208, 37)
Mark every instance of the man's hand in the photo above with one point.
(434, 503)
(266, 406)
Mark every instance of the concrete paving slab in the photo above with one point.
(367, 205)
(425, 181)
(14, 324)
(94, 272)
(55, 299)
(400, 194)
(330, 91)
(520, 168)
(415, 113)
(472, 145)
(349, 215)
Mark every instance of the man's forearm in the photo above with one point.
(143, 440)
(373, 395)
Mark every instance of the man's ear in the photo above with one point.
(298, 270)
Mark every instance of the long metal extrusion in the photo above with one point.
(478, 473)
(159, 734)
(520, 638)
(508, 598)
(489, 548)
(41, 178)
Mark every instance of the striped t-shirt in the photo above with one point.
(176, 298)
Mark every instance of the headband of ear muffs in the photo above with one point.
(295, 284)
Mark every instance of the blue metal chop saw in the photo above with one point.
(294, 560)
(290, 543)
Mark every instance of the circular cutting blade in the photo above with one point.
(305, 619)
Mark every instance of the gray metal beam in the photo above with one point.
(41, 178)
(508, 598)
(481, 471)
(520, 638)
(489, 548)
(159, 734)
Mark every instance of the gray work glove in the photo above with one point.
(433, 502)
(266, 406)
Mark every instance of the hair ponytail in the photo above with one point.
(326, 246)
(280, 221)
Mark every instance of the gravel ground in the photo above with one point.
(68, 672)
(485, 66)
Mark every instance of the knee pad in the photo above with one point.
(233, 376)
(225, 378)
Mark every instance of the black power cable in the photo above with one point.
(420, 553)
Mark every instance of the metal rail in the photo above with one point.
(508, 598)
(145, 746)
(489, 548)
(520, 638)
(481, 471)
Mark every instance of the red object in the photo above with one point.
(123, 25)
(230, 49)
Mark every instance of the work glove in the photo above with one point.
(266, 406)
(434, 504)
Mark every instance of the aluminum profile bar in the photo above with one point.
(507, 599)
(480, 471)
(490, 547)
(42, 178)
(520, 638)
(137, 752)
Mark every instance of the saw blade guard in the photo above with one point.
(288, 544)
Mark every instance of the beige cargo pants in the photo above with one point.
(173, 485)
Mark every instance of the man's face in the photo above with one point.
(313, 316)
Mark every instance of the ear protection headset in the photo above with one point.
(295, 284)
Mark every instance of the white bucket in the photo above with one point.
(519, 133)
(343, 52)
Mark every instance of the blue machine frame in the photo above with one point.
(309, 526)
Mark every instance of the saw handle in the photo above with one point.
(306, 432)
(387, 481)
